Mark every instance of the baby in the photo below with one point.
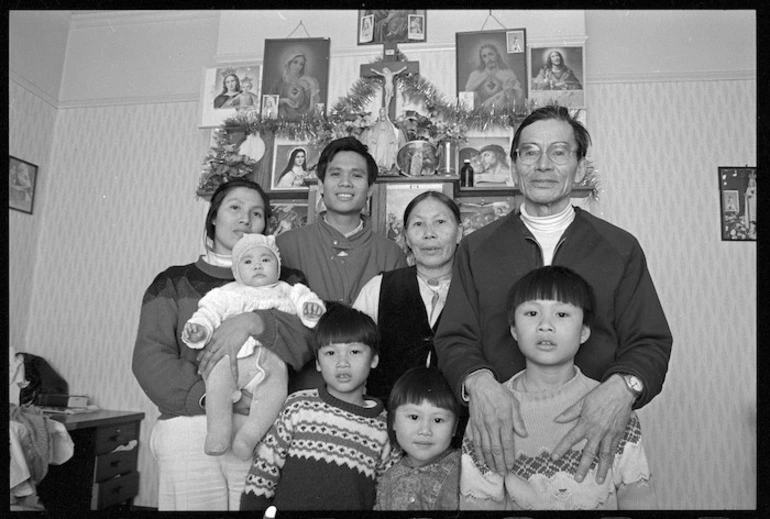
(256, 267)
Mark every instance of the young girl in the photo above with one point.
(422, 418)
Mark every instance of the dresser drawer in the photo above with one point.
(114, 463)
(115, 490)
(107, 438)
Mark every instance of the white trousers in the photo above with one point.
(189, 478)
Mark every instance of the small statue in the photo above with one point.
(384, 141)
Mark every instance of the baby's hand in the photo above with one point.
(193, 332)
(312, 311)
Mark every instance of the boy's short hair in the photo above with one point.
(553, 283)
(414, 386)
(343, 324)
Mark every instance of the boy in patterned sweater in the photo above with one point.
(550, 312)
(328, 445)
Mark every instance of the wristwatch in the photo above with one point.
(633, 384)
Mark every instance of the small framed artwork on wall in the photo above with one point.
(228, 88)
(391, 26)
(22, 179)
(478, 211)
(294, 165)
(738, 202)
(558, 74)
(489, 157)
(287, 215)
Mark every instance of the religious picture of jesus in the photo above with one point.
(297, 71)
(487, 69)
(557, 73)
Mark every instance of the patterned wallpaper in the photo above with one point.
(125, 209)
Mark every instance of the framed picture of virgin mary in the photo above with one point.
(297, 70)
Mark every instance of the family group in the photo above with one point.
(322, 370)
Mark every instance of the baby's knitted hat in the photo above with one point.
(253, 241)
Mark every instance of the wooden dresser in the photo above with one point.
(97, 476)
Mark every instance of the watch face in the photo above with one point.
(634, 383)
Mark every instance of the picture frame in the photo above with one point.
(297, 70)
(226, 88)
(377, 26)
(738, 203)
(270, 106)
(489, 155)
(290, 172)
(22, 181)
(287, 215)
(495, 77)
(478, 211)
(393, 197)
(565, 85)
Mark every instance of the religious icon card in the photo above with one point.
(489, 156)
(22, 179)
(492, 68)
(738, 198)
(228, 89)
(297, 71)
(557, 74)
(391, 26)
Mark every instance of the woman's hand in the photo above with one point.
(602, 416)
(494, 414)
(227, 339)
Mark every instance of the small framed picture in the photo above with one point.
(227, 89)
(294, 165)
(287, 215)
(489, 156)
(297, 71)
(478, 211)
(558, 73)
(391, 26)
(393, 197)
(22, 179)
(491, 69)
(270, 106)
(738, 200)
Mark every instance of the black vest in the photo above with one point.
(407, 338)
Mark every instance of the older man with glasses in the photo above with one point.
(630, 344)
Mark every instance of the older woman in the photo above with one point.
(407, 303)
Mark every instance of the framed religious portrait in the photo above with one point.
(22, 179)
(558, 74)
(270, 106)
(492, 68)
(391, 26)
(393, 197)
(738, 201)
(287, 215)
(294, 165)
(228, 88)
(489, 156)
(478, 211)
(297, 71)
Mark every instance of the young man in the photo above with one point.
(340, 252)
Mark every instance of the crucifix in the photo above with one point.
(389, 71)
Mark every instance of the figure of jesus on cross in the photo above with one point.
(389, 72)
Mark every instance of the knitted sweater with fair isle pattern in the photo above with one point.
(320, 454)
(538, 483)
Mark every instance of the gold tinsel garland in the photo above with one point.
(446, 121)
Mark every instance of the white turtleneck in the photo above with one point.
(548, 229)
(218, 260)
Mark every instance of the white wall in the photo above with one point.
(127, 155)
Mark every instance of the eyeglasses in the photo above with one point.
(559, 153)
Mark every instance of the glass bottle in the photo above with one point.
(466, 174)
